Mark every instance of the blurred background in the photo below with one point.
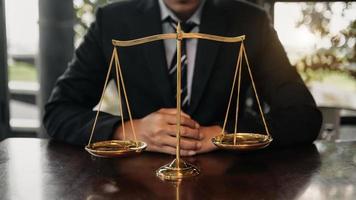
(38, 37)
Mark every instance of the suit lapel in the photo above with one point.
(154, 52)
(213, 22)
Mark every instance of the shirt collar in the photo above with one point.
(166, 12)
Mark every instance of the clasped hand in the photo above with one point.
(158, 130)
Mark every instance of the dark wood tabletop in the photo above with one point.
(43, 169)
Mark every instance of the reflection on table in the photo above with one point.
(42, 169)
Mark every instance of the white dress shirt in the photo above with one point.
(191, 44)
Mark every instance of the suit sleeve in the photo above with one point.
(293, 118)
(69, 112)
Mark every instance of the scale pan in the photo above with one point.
(115, 148)
(244, 141)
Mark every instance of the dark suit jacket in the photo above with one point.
(293, 117)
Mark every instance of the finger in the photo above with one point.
(189, 122)
(185, 132)
(185, 144)
(191, 133)
(172, 111)
(188, 144)
(187, 153)
(184, 121)
(168, 150)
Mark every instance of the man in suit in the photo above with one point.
(293, 118)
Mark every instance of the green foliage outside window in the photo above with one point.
(21, 71)
(340, 55)
(84, 13)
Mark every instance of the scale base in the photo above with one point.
(175, 172)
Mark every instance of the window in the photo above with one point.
(22, 46)
(319, 38)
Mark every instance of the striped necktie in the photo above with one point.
(186, 27)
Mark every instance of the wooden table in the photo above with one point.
(41, 169)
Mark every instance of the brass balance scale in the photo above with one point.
(178, 168)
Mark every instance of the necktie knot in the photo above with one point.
(185, 26)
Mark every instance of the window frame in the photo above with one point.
(4, 91)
